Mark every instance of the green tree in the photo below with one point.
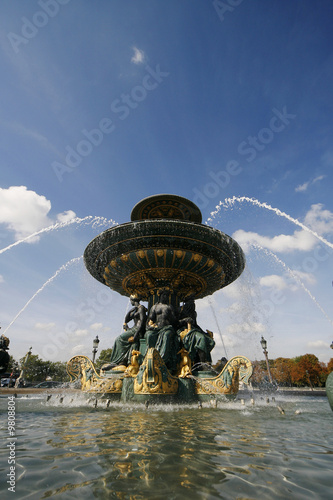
(37, 369)
(104, 357)
(58, 371)
(13, 366)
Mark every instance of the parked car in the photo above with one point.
(8, 382)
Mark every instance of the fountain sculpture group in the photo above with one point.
(167, 258)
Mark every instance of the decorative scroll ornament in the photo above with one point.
(154, 377)
(237, 369)
(82, 368)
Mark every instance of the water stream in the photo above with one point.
(95, 221)
(47, 282)
(228, 202)
(294, 276)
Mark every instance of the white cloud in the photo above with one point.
(250, 327)
(25, 212)
(96, 326)
(305, 277)
(66, 216)
(1, 279)
(273, 281)
(44, 326)
(319, 220)
(79, 349)
(81, 332)
(302, 187)
(300, 240)
(319, 178)
(138, 57)
(99, 327)
(318, 344)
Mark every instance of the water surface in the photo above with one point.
(235, 451)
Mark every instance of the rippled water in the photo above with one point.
(235, 451)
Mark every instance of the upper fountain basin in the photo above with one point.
(189, 258)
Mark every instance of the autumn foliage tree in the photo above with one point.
(302, 371)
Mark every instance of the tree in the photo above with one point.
(104, 357)
(13, 366)
(281, 371)
(259, 373)
(58, 371)
(305, 370)
(37, 369)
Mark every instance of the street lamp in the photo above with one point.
(263, 343)
(95, 347)
(331, 346)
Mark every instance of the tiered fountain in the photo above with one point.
(166, 257)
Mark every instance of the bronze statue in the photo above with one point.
(197, 342)
(129, 340)
(161, 330)
(4, 356)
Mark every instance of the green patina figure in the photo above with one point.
(161, 330)
(4, 356)
(197, 342)
(130, 338)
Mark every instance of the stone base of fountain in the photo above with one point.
(152, 381)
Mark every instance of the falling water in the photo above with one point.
(62, 268)
(293, 275)
(218, 326)
(95, 221)
(228, 202)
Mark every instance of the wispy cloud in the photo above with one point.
(138, 56)
(304, 187)
(28, 133)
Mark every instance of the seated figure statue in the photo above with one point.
(197, 342)
(129, 340)
(4, 356)
(161, 332)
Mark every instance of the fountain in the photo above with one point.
(168, 258)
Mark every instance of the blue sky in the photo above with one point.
(105, 103)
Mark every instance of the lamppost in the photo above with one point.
(263, 343)
(331, 346)
(95, 347)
